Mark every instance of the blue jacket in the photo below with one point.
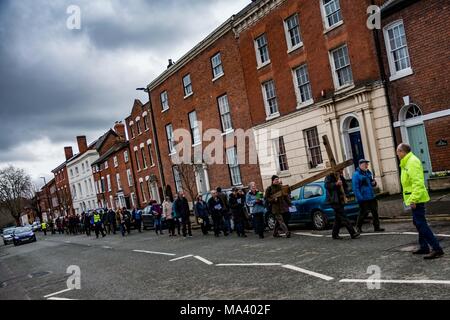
(362, 185)
(201, 209)
(255, 206)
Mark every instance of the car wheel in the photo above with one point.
(271, 222)
(15, 243)
(34, 239)
(319, 220)
(6, 243)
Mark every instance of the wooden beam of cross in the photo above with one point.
(335, 168)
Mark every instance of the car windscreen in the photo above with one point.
(22, 230)
(8, 231)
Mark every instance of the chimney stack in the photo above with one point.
(82, 144)
(170, 63)
(119, 128)
(69, 152)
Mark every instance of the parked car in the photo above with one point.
(36, 226)
(7, 235)
(310, 206)
(22, 235)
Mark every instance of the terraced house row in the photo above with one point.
(288, 72)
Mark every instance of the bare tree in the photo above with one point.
(15, 189)
(64, 200)
(187, 172)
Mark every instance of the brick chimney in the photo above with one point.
(69, 152)
(119, 128)
(82, 144)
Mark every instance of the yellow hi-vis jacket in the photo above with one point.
(413, 182)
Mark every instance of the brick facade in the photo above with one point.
(427, 34)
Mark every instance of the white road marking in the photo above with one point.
(56, 293)
(106, 247)
(183, 257)
(247, 264)
(154, 252)
(311, 273)
(396, 281)
(203, 260)
(309, 234)
(56, 298)
(443, 235)
(411, 233)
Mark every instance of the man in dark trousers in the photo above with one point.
(225, 212)
(237, 203)
(215, 207)
(363, 184)
(182, 208)
(336, 196)
(279, 206)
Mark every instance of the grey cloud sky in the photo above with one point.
(57, 83)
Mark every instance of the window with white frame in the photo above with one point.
(146, 126)
(136, 156)
(313, 147)
(292, 29)
(225, 114)
(280, 153)
(342, 71)
(397, 50)
(233, 164)
(177, 178)
(302, 85)
(138, 126)
(195, 129)
(216, 63)
(108, 180)
(106, 164)
(119, 184)
(170, 138)
(130, 178)
(144, 198)
(331, 12)
(164, 100)
(116, 162)
(86, 187)
(103, 185)
(80, 190)
(125, 156)
(270, 98)
(262, 50)
(133, 135)
(74, 191)
(71, 173)
(150, 154)
(76, 171)
(144, 161)
(91, 189)
(187, 85)
(82, 168)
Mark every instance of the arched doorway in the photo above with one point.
(413, 132)
(353, 140)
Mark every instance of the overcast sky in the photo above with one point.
(57, 83)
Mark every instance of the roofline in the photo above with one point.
(122, 145)
(393, 6)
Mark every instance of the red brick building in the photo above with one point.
(48, 200)
(205, 90)
(143, 158)
(114, 162)
(65, 205)
(311, 69)
(415, 47)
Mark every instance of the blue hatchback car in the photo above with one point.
(311, 206)
(22, 235)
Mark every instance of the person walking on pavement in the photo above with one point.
(97, 222)
(44, 227)
(176, 216)
(215, 208)
(111, 217)
(167, 208)
(237, 202)
(182, 208)
(254, 200)
(201, 212)
(225, 212)
(121, 218)
(127, 219)
(415, 195)
(157, 215)
(279, 206)
(137, 216)
(336, 196)
(87, 224)
(363, 184)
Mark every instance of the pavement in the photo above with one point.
(308, 266)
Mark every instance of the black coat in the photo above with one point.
(212, 207)
(334, 192)
(237, 203)
(181, 207)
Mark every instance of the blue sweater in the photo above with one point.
(362, 185)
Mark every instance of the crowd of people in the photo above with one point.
(248, 210)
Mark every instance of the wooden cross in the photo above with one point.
(335, 168)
